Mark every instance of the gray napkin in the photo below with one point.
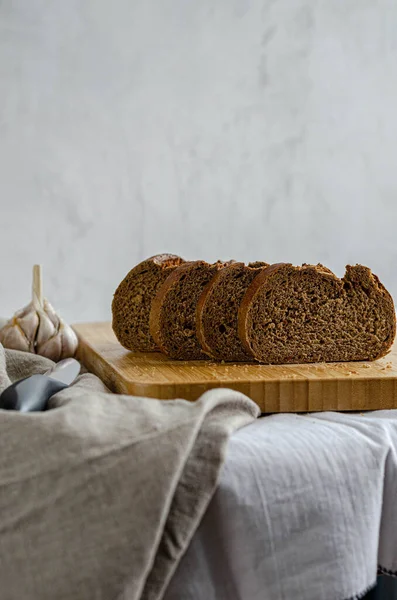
(100, 496)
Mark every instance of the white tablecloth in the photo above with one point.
(305, 510)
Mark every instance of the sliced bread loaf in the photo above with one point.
(133, 299)
(217, 311)
(307, 314)
(173, 313)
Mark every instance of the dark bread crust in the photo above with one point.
(307, 314)
(217, 311)
(132, 301)
(172, 316)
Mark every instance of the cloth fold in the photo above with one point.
(100, 496)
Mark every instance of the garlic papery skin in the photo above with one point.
(46, 329)
(12, 336)
(28, 320)
(62, 344)
(52, 348)
(69, 340)
(20, 332)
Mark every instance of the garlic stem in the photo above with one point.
(37, 288)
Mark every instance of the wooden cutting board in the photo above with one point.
(288, 388)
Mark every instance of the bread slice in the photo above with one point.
(173, 314)
(217, 311)
(307, 314)
(133, 299)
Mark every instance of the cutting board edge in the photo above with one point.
(294, 394)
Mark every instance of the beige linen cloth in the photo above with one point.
(100, 496)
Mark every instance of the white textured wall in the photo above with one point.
(253, 129)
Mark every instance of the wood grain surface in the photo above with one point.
(354, 386)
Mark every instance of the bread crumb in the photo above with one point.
(366, 366)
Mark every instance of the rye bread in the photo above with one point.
(173, 313)
(133, 299)
(307, 314)
(217, 311)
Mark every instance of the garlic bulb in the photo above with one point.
(37, 328)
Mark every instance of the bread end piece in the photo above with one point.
(132, 301)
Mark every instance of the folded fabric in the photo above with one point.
(100, 496)
(305, 509)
